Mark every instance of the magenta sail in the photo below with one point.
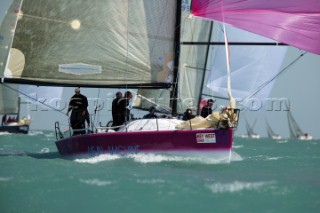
(171, 141)
(294, 22)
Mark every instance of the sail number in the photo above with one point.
(206, 138)
(116, 149)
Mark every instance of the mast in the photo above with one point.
(174, 93)
(205, 66)
(18, 115)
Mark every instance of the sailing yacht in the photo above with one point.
(10, 111)
(295, 130)
(160, 48)
(245, 135)
(271, 134)
(108, 46)
(250, 130)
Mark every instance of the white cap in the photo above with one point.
(77, 89)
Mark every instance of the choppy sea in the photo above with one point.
(263, 176)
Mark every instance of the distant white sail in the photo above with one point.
(271, 133)
(295, 130)
(250, 130)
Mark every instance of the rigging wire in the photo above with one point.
(259, 88)
(273, 78)
(96, 109)
(34, 99)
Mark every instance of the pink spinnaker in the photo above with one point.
(294, 22)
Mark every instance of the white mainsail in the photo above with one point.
(9, 100)
(8, 24)
(192, 65)
(10, 62)
(123, 41)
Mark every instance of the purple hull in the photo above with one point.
(207, 140)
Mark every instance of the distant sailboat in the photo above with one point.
(271, 133)
(295, 130)
(10, 111)
(250, 131)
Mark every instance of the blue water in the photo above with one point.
(263, 176)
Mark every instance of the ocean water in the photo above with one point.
(263, 176)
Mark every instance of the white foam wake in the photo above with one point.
(5, 133)
(35, 132)
(237, 186)
(237, 146)
(145, 158)
(44, 150)
(158, 158)
(98, 159)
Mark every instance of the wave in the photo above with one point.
(282, 141)
(273, 158)
(265, 157)
(237, 186)
(235, 157)
(13, 153)
(237, 146)
(3, 179)
(96, 182)
(44, 150)
(6, 133)
(151, 181)
(35, 132)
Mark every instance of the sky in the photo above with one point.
(299, 85)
